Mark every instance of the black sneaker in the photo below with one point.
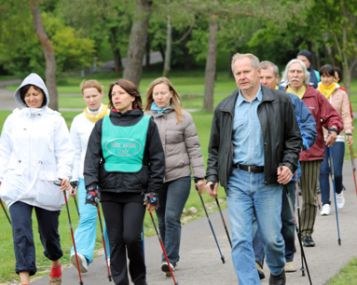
(165, 267)
(307, 241)
(277, 279)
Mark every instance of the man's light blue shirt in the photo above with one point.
(248, 143)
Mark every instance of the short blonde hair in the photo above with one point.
(254, 60)
(91, 83)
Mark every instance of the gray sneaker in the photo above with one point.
(83, 264)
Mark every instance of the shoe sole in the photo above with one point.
(165, 268)
(81, 267)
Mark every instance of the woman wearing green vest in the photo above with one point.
(125, 163)
(182, 155)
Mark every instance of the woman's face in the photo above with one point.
(92, 97)
(162, 95)
(34, 98)
(327, 79)
(122, 100)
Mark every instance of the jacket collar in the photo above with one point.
(228, 105)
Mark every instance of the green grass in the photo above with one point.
(191, 87)
(347, 275)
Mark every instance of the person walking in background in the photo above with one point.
(269, 77)
(253, 151)
(35, 151)
(182, 153)
(339, 100)
(306, 57)
(125, 164)
(81, 128)
(325, 116)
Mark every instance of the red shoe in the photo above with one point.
(56, 275)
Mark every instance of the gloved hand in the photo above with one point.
(151, 199)
(93, 195)
(74, 185)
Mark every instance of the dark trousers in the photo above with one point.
(21, 217)
(124, 225)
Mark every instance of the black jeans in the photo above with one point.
(21, 217)
(124, 222)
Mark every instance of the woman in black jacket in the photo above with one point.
(125, 163)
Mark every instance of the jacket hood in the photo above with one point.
(32, 79)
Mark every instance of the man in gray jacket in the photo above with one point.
(253, 151)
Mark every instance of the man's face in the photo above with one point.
(245, 75)
(296, 76)
(268, 78)
(304, 60)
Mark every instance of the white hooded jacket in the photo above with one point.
(35, 150)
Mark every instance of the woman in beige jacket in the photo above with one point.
(182, 156)
(339, 100)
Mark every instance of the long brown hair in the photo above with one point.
(175, 101)
(130, 88)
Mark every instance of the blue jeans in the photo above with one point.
(337, 152)
(248, 197)
(86, 232)
(172, 200)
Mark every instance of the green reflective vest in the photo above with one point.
(123, 146)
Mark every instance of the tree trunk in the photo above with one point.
(115, 49)
(210, 70)
(167, 61)
(49, 54)
(137, 41)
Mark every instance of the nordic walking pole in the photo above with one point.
(223, 220)
(353, 166)
(58, 183)
(211, 227)
(303, 256)
(332, 172)
(103, 241)
(163, 249)
(5, 212)
(299, 228)
(74, 185)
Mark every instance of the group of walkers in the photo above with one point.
(269, 138)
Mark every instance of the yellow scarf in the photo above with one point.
(300, 92)
(96, 116)
(327, 90)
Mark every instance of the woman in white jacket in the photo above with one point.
(35, 151)
(81, 129)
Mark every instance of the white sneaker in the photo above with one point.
(325, 210)
(83, 264)
(290, 266)
(340, 199)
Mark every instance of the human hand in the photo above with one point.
(151, 200)
(212, 189)
(331, 138)
(74, 189)
(349, 139)
(93, 195)
(63, 184)
(284, 174)
(200, 186)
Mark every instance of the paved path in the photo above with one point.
(200, 263)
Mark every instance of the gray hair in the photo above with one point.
(254, 60)
(302, 65)
(266, 64)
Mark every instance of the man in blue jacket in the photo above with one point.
(269, 77)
